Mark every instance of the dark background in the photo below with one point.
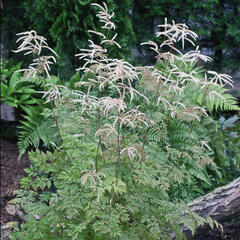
(65, 23)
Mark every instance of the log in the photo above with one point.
(223, 204)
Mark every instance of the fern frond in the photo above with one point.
(158, 133)
(37, 81)
(214, 97)
(198, 173)
(34, 129)
(224, 101)
(179, 134)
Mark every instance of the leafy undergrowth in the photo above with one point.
(133, 143)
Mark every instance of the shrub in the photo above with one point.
(23, 93)
(225, 141)
(130, 137)
(14, 90)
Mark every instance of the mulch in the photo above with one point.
(12, 170)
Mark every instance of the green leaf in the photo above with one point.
(13, 104)
(14, 80)
(31, 101)
(24, 97)
(10, 90)
(4, 90)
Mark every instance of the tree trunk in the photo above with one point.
(223, 204)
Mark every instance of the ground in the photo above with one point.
(12, 170)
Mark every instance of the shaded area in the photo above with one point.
(223, 205)
(11, 171)
(231, 231)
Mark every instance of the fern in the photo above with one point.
(35, 128)
(224, 101)
(215, 97)
(35, 80)
(198, 172)
(179, 134)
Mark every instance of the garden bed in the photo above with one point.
(12, 170)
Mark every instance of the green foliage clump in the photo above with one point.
(130, 139)
(225, 141)
(23, 93)
(16, 91)
(66, 26)
(217, 22)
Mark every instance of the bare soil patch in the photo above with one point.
(12, 170)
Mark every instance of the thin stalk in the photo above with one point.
(99, 142)
(97, 154)
(118, 154)
(100, 139)
(189, 135)
(58, 130)
(99, 124)
(185, 145)
(150, 118)
(154, 103)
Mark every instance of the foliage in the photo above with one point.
(20, 92)
(130, 137)
(14, 90)
(216, 21)
(12, 22)
(23, 92)
(225, 140)
(36, 127)
(65, 25)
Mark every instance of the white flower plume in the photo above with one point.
(33, 44)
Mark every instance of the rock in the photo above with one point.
(6, 229)
(7, 112)
(11, 209)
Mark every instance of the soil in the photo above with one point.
(12, 170)
(231, 231)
